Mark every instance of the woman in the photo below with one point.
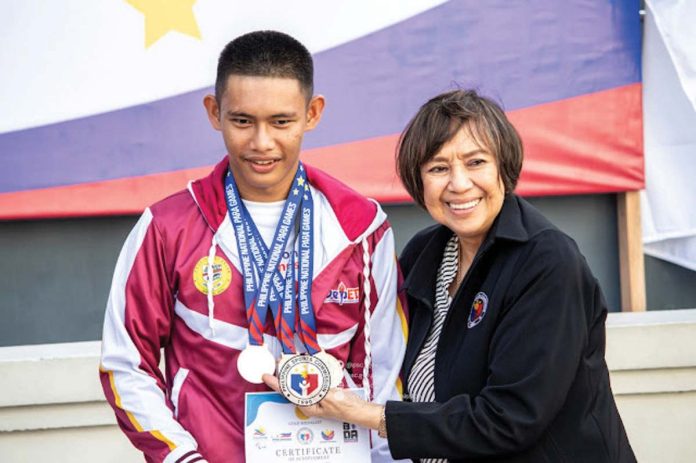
(505, 357)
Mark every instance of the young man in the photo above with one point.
(195, 271)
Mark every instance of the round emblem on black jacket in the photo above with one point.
(478, 310)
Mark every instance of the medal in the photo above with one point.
(333, 365)
(283, 360)
(253, 362)
(304, 379)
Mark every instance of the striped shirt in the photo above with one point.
(422, 377)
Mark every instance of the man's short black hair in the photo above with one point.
(265, 54)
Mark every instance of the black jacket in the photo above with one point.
(524, 378)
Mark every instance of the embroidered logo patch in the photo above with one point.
(478, 310)
(343, 295)
(222, 275)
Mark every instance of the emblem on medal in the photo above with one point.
(304, 379)
(334, 366)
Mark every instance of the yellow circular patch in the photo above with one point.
(222, 275)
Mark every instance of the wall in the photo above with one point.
(51, 403)
(57, 273)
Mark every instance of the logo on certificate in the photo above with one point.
(282, 436)
(221, 275)
(305, 436)
(304, 379)
(328, 435)
(350, 432)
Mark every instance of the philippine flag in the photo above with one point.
(101, 107)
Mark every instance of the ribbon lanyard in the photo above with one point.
(257, 287)
(308, 325)
(264, 284)
(279, 289)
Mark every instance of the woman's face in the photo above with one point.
(462, 188)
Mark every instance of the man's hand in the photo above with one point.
(271, 381)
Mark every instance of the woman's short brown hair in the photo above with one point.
(439, 120)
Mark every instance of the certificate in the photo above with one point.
(277, 431)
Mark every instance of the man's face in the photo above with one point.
(263, 121)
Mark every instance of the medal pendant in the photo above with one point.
(283, 360)
(304, 379)
(335, 367)
(253, 362)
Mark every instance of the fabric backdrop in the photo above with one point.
(669, 199)
(101, 113)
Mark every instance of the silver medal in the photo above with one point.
(283, 359)
(335, 367)
(253, 362)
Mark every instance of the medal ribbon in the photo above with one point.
(308, 326)
(280, 288)
(257, 294)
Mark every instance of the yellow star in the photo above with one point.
(163, 16)
(300, 181)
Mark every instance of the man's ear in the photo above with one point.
(213, 110)
(314, 111)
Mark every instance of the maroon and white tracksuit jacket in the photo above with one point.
(161, 299)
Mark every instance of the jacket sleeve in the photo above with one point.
(533, 358)
(387, 330)
(136, 326)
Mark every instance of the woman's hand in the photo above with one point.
(339, 404)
